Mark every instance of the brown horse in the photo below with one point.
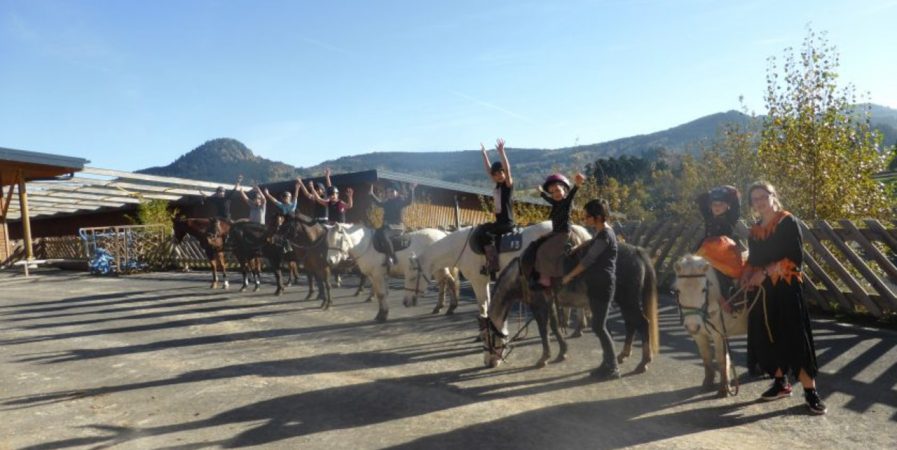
(211, 243)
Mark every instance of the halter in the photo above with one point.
(703, 311)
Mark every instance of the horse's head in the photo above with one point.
(494, 328)
(338, 244)
(692, 291)
(416, 280)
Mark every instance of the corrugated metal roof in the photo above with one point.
(47, 159)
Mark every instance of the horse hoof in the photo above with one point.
(369, 299)
(436, 310)
(243, 289)
(621, 358)
(257, 287)
(540, 364)
(641, 368)
(451, 310)
(226, 285)
(722, 392)
(278, 292)
(560, 359)
(575, 334)
(381, 316)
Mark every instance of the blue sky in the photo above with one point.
(131, 84)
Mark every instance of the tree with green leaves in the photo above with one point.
(816, 147)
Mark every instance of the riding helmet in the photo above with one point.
(555, 178)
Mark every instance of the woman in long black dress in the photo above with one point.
(779, 331)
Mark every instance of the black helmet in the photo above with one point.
(496, 167)
(332, 190)
(726, 194)
(319, 186)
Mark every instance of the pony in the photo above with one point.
(357, 241)
(455, 251)
(635, 294)
(699, 298)
(212, 246)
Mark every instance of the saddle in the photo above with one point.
(510, 242)
(399, 241)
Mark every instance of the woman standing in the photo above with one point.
(779, 331)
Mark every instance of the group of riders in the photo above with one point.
(721, 246)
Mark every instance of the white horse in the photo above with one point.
(454, 250)
(357, 241)
(699, 298)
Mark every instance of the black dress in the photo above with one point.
(779, 333)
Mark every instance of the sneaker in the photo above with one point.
(605, 372)
(779, 389)
(814, 403)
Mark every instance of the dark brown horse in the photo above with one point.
(310, 239)
(635, 295)
(211, 243)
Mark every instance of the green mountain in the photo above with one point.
(221, 160)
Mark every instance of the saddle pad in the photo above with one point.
(510, 242)
(399, 243)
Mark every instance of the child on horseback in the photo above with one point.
(336, 208)
(393, 226)
(490, 233)
(556, 190)
(257, 205)
(284, 208)
(315, 192)
(220, 201)
(721, 209)
(601, 254)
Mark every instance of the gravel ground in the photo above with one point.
(161, 361)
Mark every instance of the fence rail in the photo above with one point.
(851, 267)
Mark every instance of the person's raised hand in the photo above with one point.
(579, 179)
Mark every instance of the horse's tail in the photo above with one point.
(649, 301)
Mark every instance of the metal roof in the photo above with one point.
(95, 188)
(35, 165)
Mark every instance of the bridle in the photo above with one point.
(703, 310)
(415, 264)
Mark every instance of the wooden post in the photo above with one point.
(457, 213)
(26, 222)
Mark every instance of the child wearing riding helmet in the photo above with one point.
(721, 209)
(601, 261)
(490, 233)
(317, 194)
(336, 208)
(556, 190)
(393, 206)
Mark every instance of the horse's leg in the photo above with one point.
(276, 267)
(223, 270)
(627, 344)
(641, 325)
(214, 265)
(312, 281)
(325, 288)
(361, 281)
(540, 309)
(702, 340)
(257, 273)
(244, 271)
(724, 363)
(379, 288)
(553, 317)
(453, 282)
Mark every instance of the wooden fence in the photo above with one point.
(851, 267)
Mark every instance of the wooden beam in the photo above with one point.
(26, 223)
(143, 177)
